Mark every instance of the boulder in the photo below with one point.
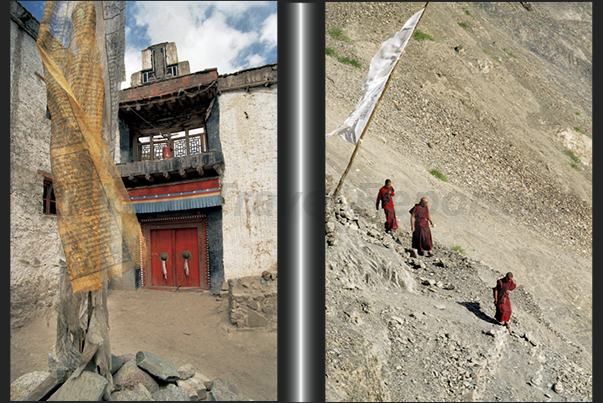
(224, 390)
(49, 385)
(130, 375)
(374, 233)
(157, 366)
(329, 227)
(171, 393)
(413, 252)
(428, 281)
(87, 386)
(530, 338)
(186, 371)
(138, 393)
(194, 385)
(21, 387)
(116, 362)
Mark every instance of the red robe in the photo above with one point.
(388, 207)
(421, 237)
(503, 304)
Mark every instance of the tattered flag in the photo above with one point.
(381, 68)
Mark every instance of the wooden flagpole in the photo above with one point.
(347, 170)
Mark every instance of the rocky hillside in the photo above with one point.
(497, 99)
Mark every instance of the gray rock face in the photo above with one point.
(88, 386)
(25, 384)
(439, 342)
(116, 362)
(224, 390)
(186, 371)
(130, 375)
(195, 386)
(138, 393)
(171, 393)
(49, 385)
(157, 366)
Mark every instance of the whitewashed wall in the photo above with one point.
(34, 239)
(248, 134)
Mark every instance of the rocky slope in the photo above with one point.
(494, 102)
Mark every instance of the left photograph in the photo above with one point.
(143, 200)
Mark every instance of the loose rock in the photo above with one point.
(157, 366)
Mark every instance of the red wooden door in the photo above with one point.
(162, 258)
(186, 257)
(177, 256)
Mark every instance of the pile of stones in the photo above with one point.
(144, 376)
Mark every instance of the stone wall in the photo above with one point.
(252, 300)
(34, 239)
(248, 133)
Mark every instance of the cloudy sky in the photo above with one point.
(229, 35)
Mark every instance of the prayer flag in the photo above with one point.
(97, 224)
(381, 67)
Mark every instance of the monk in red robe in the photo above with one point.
(501, 299)
(419, 223)
(386, 197)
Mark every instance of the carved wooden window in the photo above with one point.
(186, 142)
(150, 147)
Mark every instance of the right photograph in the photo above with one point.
(458, 191)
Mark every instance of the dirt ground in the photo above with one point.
(182, 327)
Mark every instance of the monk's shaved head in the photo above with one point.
(510, 275)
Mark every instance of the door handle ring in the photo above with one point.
(163, 256)
(186, 255)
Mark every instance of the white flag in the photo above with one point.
(380, 69)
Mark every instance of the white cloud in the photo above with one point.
(237, 8)
(269, 31)
(133, 60)
(256, 60)
(205, 42)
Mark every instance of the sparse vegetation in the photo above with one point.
(329, 51)
(464, 25)
(509, 53)
(469, 13)
(351, 61)
(572, 156)
(491, 55)
(421, 36)
(337, 34)
(458, 249)
(575, 160)
(576, 128)
(438, 175)
(577, 113)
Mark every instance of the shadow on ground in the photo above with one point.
(475, 309)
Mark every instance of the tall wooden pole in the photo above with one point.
(347, 170)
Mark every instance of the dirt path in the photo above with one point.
(182, 327)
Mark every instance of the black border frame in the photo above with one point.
(301, 208)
